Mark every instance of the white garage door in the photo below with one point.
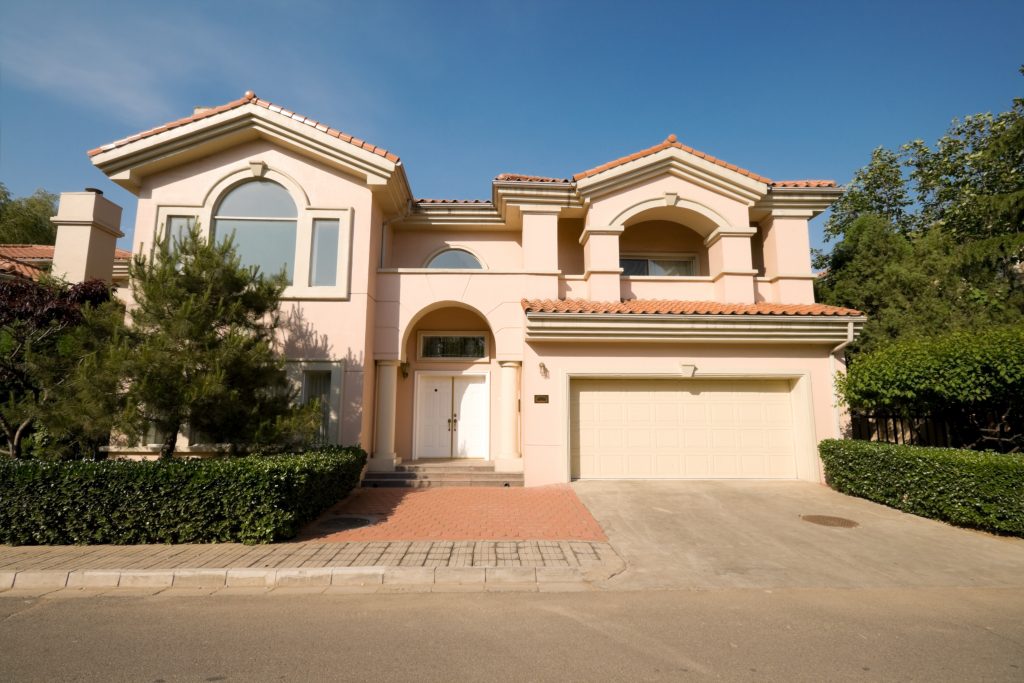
(682, 429)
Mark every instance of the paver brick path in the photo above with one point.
(545, 513)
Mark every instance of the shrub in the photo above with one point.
(967, 488)
(247, 499)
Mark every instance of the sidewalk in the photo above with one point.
(382, 540)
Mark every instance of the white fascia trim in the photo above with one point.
(574, 327)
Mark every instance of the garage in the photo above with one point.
(682, 429)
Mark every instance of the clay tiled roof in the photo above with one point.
(520, 178)
(9, 266)
(248, 98)
(671, 141)
(44, 252)
(453, 201)
(670, 307)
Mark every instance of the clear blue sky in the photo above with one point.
(462, 91)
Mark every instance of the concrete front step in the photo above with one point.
(446, 466)
(441, 475)
(494, 480)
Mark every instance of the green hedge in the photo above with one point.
(967, 488)
(248, 499)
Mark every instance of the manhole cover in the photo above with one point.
(827, 520)
(343, 523)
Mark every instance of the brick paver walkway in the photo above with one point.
(545, 513)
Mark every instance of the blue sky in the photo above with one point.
(462, 91)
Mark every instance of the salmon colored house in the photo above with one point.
(653, 317)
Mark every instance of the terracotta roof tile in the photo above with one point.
(248, 98)
(670, 141)
(671, 307)
(804, 183)
(521, 178)
(453, 201)
(9, 266)
(44, 252)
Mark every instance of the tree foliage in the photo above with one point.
(26, 220)
(198, 351)
(932, 238)
(40, 324)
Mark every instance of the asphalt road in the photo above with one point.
(935, 634)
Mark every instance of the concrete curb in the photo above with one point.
(482, 577)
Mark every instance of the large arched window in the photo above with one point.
(261, 216)
(455, 258)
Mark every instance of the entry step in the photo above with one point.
(442, 473)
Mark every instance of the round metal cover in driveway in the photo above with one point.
(344, 523)
(827, 520)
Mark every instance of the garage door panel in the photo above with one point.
(682, 429)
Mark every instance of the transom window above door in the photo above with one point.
(261, 216)
(659, 266)
(456, 346)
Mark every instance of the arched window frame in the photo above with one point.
(308, 214)
(454, 247)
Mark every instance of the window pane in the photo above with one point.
(178, 227)
(260, 199)
(267, 244)
(633, 266)
(324, 264)
(675, 268)
(316, 385)
(454, 258)
(454, 346)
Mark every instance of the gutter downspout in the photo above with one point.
(837, 413)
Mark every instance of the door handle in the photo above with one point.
(449, 424)
(455, 422)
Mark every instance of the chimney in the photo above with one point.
(88, 227)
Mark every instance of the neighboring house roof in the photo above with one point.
(673, 307)
(44, 252)
(13, 268)
(453, 201)
(248, 98)
(521, 178)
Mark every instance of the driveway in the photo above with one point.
(718, 534)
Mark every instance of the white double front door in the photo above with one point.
(452, 416)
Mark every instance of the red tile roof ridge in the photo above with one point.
(248, 98)
(804, 183)
(524, 178)
(670, 141)
(679, 307)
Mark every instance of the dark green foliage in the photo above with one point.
(958, 369)
(931, 238)
(26, 220)
(966, 488)
(248, 499)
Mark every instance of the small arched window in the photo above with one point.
(261, 216)
(455, 258)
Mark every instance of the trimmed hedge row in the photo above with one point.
(967, 488)
(248, 499)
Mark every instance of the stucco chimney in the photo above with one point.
(88, 227)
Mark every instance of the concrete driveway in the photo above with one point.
(731, 534)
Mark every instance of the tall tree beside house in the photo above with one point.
(931, 239)
(198, 351)
(40, 323)
(26, 220)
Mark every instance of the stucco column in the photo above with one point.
(540, 251)
(601, 267)
(509, 458)
(731, 265)
(383, 459)
(787, 256)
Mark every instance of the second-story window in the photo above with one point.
(261, 216)
(455, 258)
(659, 266)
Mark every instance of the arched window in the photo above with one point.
(261, 216)
(455, 258)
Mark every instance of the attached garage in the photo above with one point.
(683, 429)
